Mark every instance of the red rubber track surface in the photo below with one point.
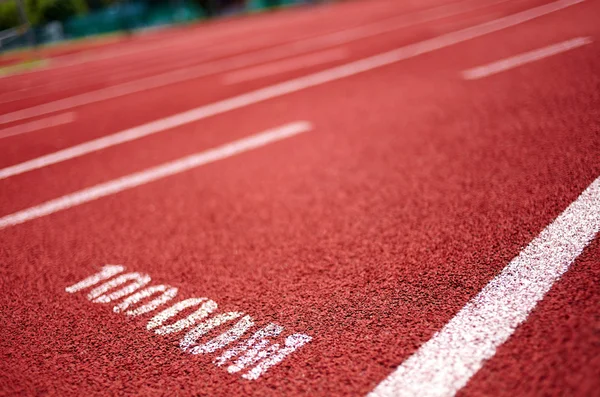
(368, 233)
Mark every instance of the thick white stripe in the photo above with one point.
(524, 58)
(287, 65)
(287, 87)
(445, 363)
(152, 174)
(40, 124)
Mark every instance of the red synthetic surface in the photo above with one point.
(368, 233)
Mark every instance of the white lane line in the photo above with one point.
(238, 61)
(524, 58)
(444, 364)
(286, 65)
(155, 173)
(251, 44)
(52, 121)
(294, 85)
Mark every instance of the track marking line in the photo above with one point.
(245, 45)
(524, 58)
(286, 65)
(287, 87)
(47, 122)
(155, 173)
(444, 364)
(242, 46)
(234, 62)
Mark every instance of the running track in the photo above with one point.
(410, 188)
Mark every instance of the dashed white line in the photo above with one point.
(286, 65)
(444, 364)
(287, 87)
(524, 58)
(155, 173)
(47, 122)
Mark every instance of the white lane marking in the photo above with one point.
(253, 44)
(294, 85)
(40, 124)
(286, 65)
(524, 58)
(223, 65)
(444, 364)
(155, 173)
(166, 44)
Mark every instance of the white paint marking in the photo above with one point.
(99, 294)
(155, 173)
(256, 343)
(268, 54)
(166, 314)
(286, 65)
(188, 342)
(274, 355)
(107, 272)
(150, 306)
(257, 349)
(208, 306)
(284, 88)
(524, 58)
(444, 364)
(224, 339)
(168, 294)
(52, 121)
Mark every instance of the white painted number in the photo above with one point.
(256, 355)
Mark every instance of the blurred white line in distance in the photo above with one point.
(238, 61)
(524, 58)
(287, 65)
(158, 172)
(46, 122)
(287, 87)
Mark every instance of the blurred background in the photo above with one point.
(26, 23)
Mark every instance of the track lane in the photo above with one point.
(268, 51)
(203, 37)
(369, 234)
(555, 352)
(179, 102)
(423, 88)
(403, 255)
